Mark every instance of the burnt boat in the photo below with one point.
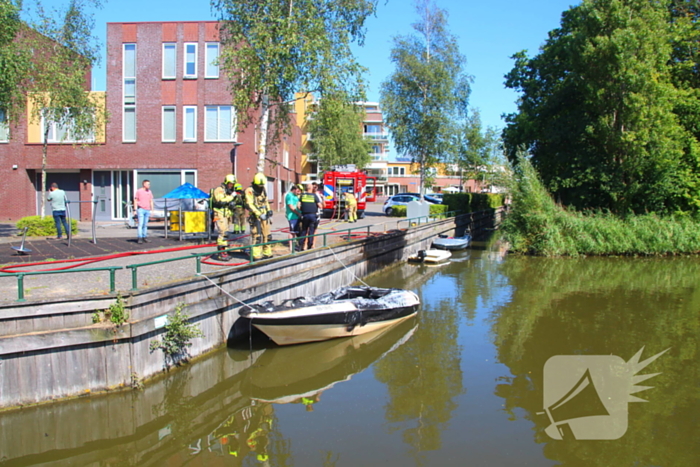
(452, 243)
(345, 312)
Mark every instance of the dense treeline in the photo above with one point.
(610, 107)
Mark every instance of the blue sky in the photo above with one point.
(488, 32)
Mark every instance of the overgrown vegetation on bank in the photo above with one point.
(537, 225)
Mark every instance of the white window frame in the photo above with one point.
(209, 61)
(124, 46)
(124, 138)
(184, 124)
(184, 59)
(206, 123)
(172, 109)
(52, 136)
(4, 127)
(169, 45)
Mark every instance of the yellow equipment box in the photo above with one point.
(193, 221)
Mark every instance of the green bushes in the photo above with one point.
(472, 202)
(45, 227)
(398, 211)
(435, 210)
(537, 225)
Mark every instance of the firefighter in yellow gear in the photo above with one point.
(351, 207)
(238, 209)
(259, 216)
(221, 204)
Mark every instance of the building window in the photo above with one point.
(189, 124)
(129, 133)
(129, 94)
(62, 132)
(169, 60)
(219, 125)
(164, 181)
(4, 127)
(129, 90)
(190, 60)
(129, 60)
(285, 160)
(373, 129)
(212, 60)
(169, 124)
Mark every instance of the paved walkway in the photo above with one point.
(118, 242)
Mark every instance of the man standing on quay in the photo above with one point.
(310, 205)
(222, 199)
(57, 197)
(143, 202)
(291, 204)
(259, 216)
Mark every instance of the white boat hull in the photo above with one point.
(346, 312)
(430, 256)
(298, 334)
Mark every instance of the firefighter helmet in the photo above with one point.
(259, 179)
(237, 187)
(230, 178)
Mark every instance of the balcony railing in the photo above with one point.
(376, 136)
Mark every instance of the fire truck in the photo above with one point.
(344, 179)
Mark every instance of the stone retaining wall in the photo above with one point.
(51, 350)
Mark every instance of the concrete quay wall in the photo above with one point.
(51, 350)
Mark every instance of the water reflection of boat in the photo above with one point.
(452, 243)
(348, 311)
(300, 373)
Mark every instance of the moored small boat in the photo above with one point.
(430, 256)
(452, 243)
(348, 311)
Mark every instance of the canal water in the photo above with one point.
(488, 374)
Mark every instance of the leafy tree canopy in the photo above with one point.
(274, 48)
(428, 92)
(14, 60)
(600, 113)
(335, 126)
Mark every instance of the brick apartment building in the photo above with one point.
(170, 121)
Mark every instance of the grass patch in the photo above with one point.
(537, 225)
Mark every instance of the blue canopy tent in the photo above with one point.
(190, 203)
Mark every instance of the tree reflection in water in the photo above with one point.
(607, 306)
(423, 377)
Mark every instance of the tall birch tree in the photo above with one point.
(274, 48)
(58, 83)
(14, 64)
(428, 93)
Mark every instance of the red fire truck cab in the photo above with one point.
(337, 182)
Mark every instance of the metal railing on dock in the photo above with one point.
(472, 221)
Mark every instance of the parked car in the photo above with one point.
(435, 198)
(428, 197)
(397, 200)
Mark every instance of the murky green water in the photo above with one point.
(463, 384)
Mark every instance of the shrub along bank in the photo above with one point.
(45, 227)
(472, 202)
(536, 225)
(435, 210)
